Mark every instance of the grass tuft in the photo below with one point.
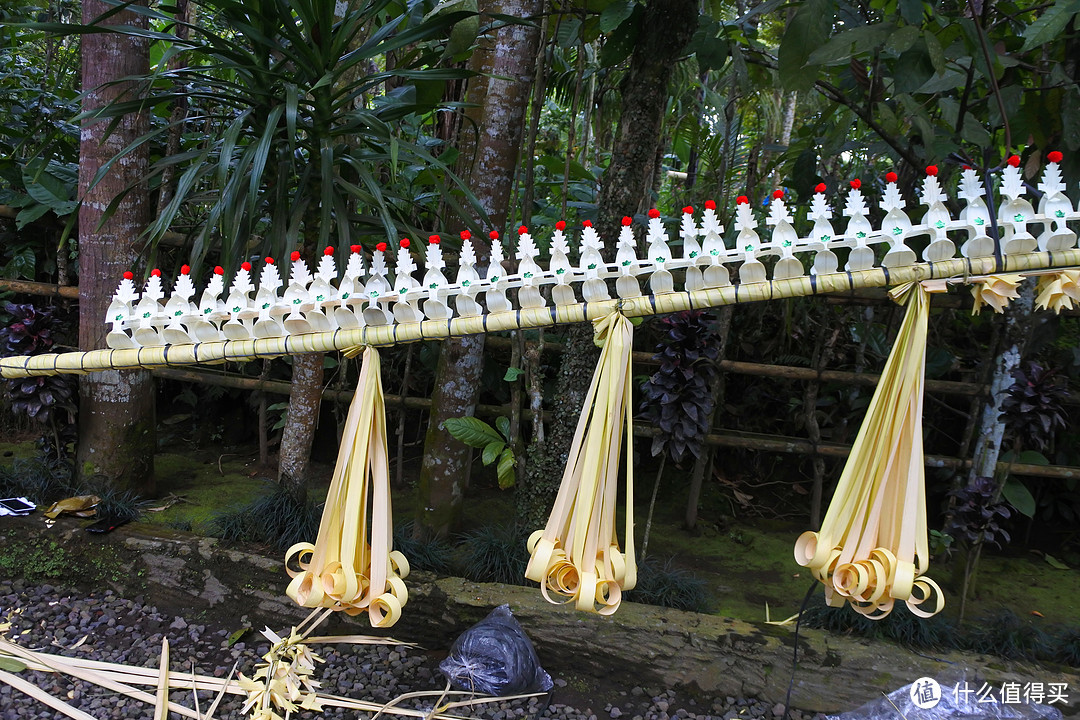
(430, 554)
(275, 519)
(667, 586)
(495, 554)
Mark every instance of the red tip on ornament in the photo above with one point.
(561, 225)
(654, 213)
(931, 170)
(218, 270)
(269, 261)
(466, 235)
(742, 200)
(1014, 160)
(710, 204)
(355, 248)
(966, 167)
(245, 266)
(1054, 156)
(688, 210)
(404, 242)
(890, 177)
(777, 194)
(820, 187)
(433, 240)
(381, 247)
(295, 255)
(586, 223)
(328, 250)
(627, 220)
(856, 184)
(129, 275)
(185, 269)
(522, 230)
(155, 273)
(494, 234)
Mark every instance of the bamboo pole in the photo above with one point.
(641, 306)
(26, 287)
(772, 443)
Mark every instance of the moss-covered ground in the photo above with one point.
(747, 564)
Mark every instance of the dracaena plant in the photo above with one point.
(49, 401)
(1034, 407)
(677, 398)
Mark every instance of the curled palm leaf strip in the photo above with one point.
(352, 566)
(872, 548)
(577, 554)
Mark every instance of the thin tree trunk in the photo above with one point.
(501, 96)
(305, 398)
(116, 418)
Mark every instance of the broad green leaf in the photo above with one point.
(949, 80)
(934, 50)
(902, 39)
(1054, 562)
(621, 41)
(569, 33)
(614, 14)
(974, 133)
(471, 431)
(10, 664)
(1070, 118)
(842, 46)
(464, 32)
(513, 374)
(23, 264)
(503, 425)
(912, 69)
(491, 452)
(1017, 495)
(1032, 457)
(1050, 24)
(48, 190)
(505, 469)
(912, 11)
(28, 215)
(807, 31)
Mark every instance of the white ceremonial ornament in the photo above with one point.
(659, 254)
(1056, 208)
(268, 303)
(495, 297)
(822, 235)
(937, 220)
(241, 309)
(435, 284)
(1015, 213)
(349, 312)
(180, 311)
(322, 294)
(150, 316)
(377, 290)
(784, 239)
(529, 271)
(211, 310)
(688, 231)
(296, 297)
(747, 244)
(120, 313)
(591, 266)
(857, 236)
(974, 216)
(406, 306)
(468, 280)
(713, 251)
(895, 227)
(562, 293)
(626, 286)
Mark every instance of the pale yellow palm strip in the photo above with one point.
(577, 554)
(352, 565)
(872, 548)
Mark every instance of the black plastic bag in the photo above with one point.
(495, 657)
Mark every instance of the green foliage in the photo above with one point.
(432, 554)
(667, 586)
(275, 519)
(495, 445)
(495, 554)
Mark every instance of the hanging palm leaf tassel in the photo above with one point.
(872, 548)
(352, 566)
(577, 554)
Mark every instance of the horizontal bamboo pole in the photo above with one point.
(798, 446)
(26, 287)
(720, 439)
(378, 335)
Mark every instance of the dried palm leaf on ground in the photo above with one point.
(872, 548)
(352, 565)
(577, 554)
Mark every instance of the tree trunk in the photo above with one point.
(491, 147)
(116, 418)
(305, 397)
(625, 189)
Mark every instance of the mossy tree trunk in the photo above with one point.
(626, 188)
(116, 408)
(490, 147)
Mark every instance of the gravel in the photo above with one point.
(130, 630)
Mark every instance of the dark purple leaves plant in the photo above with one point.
(678, 397)
(977, 512)
(1034, 408)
